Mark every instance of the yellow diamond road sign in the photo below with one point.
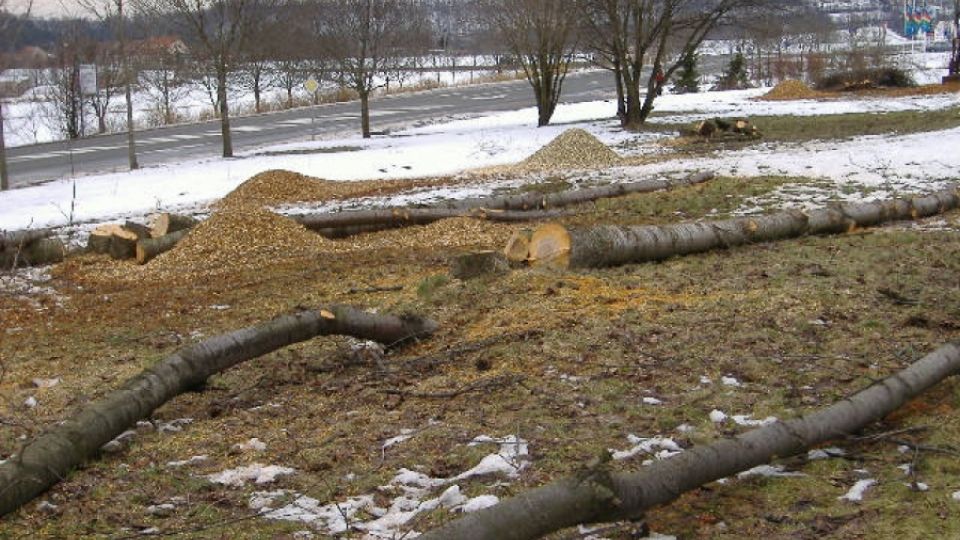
(311, 85)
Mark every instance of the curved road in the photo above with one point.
(38, 163)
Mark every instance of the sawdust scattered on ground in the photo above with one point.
(572, 149)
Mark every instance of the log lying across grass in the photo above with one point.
(35, 253)
(51, 456)
(608, 245)
(167, 223)
(603, 496)
(16, 239)
(525, 207)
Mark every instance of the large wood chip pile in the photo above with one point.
(789, 90)
(573, 149)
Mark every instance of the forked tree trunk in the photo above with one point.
(608, 245)
(51, 456)
(604, 496)
(508, 208)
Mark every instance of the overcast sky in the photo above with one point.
(45, 8)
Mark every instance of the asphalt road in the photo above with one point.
(35, 164)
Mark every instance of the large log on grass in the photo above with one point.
(18, 239)
(51, 456)
(508, 208)
(607, 245)
(36, 253)
(600, 495)
(148, 248)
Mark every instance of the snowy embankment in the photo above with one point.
(888, 161)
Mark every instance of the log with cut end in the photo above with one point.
(600, 495)
(167, 223)
(18, 239)
(36, 253)
(483, 263)
(148, 248)
(608, 245)
(518, 246)
(62, 447)
(123, 243)
(525, 207)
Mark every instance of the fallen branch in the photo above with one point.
(525, 207)
(603, 496)
(593, 247)
(47, 459)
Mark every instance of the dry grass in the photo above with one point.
(800, 322)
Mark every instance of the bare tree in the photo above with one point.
(644, 42)
(219, 27)
(542, 36)
(162, 75)
(109, 66)
(115, 11)
(9, 28)
(955, 58)
(365, 38)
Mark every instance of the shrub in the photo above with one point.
(885, 77)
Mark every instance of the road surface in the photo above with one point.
(38, 163)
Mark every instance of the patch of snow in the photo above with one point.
(658, 447)
(30, 402)
(254, 444)
(404, 435)
(161, 510)
(904, 449)
(705, 380)
(174, 426)
(46, 383)
(256, 473)
(652, 401)
(730, 381)
(120, 442)
(45, 505)
(717, 416)
(479, 503)
(769, 471)
(686, 428)
(192, 461)
(856, 492)
(152, 531)
(825, 453)
(747, 420)
(907, 468)
(956, 496)
(918, 486)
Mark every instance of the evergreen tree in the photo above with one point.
(735, 76)
(688, 80)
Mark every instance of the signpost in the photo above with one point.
(311, 85)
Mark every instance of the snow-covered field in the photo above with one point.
(449, 147)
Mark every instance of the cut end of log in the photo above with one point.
(550, 246)
(327, 314)
(518, 247)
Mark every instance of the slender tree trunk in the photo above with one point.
(224, 108)
(365, 113)
(50, 457)
(127, 94)
(4, 174)
(600, 495)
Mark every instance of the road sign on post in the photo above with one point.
(88, 79)
(311, 85)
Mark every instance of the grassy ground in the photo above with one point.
(800, 323)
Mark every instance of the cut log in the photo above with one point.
(123, 243)
(508, 208)
(166, 223)
(51, 456)
(558, 246)
(17, 239)
(99, 239)
(142, 231)
(36, 253)
(600, 495)
(483, 263)
(148, 248)
(518, 247)
(372, 220)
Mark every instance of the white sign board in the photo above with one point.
(311, 85)
(88, 79)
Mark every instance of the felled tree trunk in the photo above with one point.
(148, 248)
(36, 253)
(51, 456)
(555, 245)
(508, 208)
(603, 496)
(16, 239)
(119, 241)
(167, 223)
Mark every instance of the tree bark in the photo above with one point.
(365, 113)
(4, 173)
(16, 239)
(167, 223)
(36, 253)
(148, 248)
(127, 94)
(607, 245)
(224, 109)
(51, 456)
(508, 208)
(602, 496)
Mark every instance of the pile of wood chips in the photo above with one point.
(573, 149)
(789, 90)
